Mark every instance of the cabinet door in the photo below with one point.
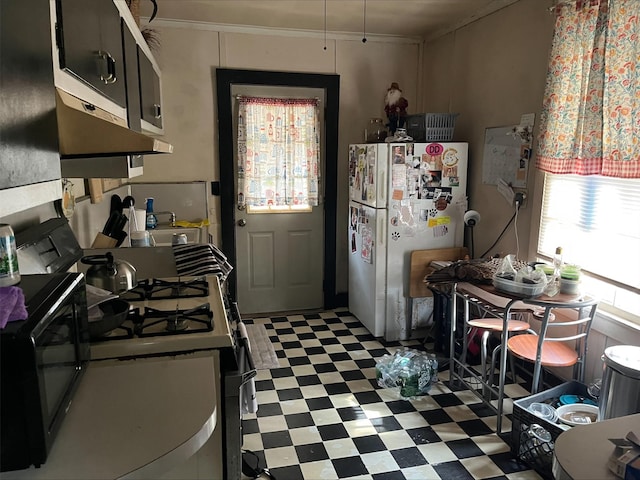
(90, 45)
(28, 130)
(149, 91)
(132, 78)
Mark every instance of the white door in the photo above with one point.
(280, 256)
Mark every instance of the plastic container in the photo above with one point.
(577, 414)
(141, 239)
(620, 390)
(9, 270)
(570, 279)
(528, 290)
(570, 272)
(547, 269)
(570, 287)
(543, 410)
(431, 127)
(530, 448)
(375, 131)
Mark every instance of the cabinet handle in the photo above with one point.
(158, 111)
(111, 68)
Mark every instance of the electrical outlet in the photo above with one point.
(520, 198)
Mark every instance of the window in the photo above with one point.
(596, 221)
(589, 147)
(278, 154)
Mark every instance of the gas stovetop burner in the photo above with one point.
(176, 323)
(157, 289)
(173, 322)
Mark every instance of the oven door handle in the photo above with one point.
(244, 358)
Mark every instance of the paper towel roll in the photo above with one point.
(140, 219)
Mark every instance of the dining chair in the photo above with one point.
(496, 325)
(561, 340)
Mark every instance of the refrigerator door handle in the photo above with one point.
(380, 231)
(382, 188)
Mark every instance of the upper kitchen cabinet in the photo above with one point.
(29, 159)
(101, 57)
(150, 97)
(89, 43)
(109, 113)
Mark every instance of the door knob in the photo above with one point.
(242, 222)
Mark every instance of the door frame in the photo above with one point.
(225, 78)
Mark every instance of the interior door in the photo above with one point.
(279, 256)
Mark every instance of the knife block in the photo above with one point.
(103, 241)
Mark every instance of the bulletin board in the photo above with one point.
(505, 156)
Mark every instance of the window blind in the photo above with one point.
(596, 221)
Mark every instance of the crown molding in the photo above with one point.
(280, 32)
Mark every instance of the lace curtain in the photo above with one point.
(278, 151)
(590, 121)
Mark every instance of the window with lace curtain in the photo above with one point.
(589, 149)
(278, 154)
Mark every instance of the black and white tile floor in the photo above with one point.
(322, 415)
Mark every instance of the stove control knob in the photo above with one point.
(242, 222)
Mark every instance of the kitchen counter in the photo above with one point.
(133, 419)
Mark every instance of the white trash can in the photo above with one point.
(620, 391)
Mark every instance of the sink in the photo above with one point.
(163, 235)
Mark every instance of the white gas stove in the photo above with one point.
(178, 316)
(168, 316)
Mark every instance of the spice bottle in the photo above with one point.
(9, 271)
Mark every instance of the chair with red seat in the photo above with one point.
(495, 325)
(559, 343)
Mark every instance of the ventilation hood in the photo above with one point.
(85, 130)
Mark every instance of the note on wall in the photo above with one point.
(506, 156)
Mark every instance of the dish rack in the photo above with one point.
(525, 445)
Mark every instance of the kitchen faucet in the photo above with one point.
(172, 221)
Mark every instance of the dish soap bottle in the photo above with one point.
(152, 220)
(9, 272)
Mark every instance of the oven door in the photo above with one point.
(239, 391)
(43, 360)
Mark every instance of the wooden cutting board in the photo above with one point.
(420, 261)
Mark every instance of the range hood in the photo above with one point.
(85, 130)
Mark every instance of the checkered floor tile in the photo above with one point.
(323, 416)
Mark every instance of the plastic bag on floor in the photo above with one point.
(413, 371)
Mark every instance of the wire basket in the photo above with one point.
(431, 127)
(526, 443)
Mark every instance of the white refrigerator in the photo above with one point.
(402, 197)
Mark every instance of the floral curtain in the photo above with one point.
(278, 151)
(590, 121)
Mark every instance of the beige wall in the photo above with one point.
(188, 58)
(491, 72)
